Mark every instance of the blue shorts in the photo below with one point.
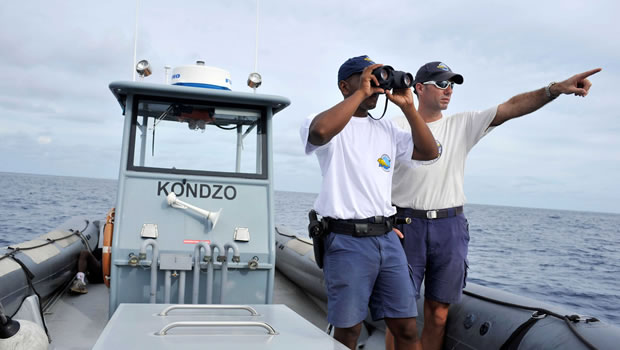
(437, 252)
(363, 272)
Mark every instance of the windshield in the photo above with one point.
(194, 137)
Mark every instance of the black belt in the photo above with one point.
(431, 214)
(375, 226)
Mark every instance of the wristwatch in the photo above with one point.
(548, 90)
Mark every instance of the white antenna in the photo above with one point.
(167, 68)
(256, 52)
(135, 44)
(254, 79)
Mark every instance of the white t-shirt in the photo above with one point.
(357, 166)
(438, 183)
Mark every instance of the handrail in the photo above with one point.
(165, 311)
(264, 325)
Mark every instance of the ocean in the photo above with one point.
(566, 258)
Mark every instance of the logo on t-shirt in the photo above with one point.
(384, 162)
(439, 150)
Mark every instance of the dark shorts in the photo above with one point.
(437, 252)
(363, 272)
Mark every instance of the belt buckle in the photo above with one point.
(431, 214)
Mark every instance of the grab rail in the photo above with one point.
(165, 311)
(264, 325)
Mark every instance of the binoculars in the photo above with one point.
(392, 79)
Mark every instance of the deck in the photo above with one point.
(75, 321)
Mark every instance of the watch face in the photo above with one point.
(548, 89)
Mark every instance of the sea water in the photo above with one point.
(566, 258)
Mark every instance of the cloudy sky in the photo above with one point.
(58, 117)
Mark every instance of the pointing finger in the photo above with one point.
(586, 74)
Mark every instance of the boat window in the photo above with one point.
(193, 137)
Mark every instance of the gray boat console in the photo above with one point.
(194, 214)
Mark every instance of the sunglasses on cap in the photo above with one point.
(440, 84)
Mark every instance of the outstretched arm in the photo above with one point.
(424, 147)
(329, 123)
(528, 102)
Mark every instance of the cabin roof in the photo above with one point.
(121, 89)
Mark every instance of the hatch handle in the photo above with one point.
(264, 325)
(165, 311)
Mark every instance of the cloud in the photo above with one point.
(44, 140)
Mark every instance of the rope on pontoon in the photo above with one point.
(568, 319)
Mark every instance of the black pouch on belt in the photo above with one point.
(317, 231)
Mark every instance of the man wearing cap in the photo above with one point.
(364, 264)
(432, 195)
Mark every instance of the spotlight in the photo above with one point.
(143, 68)
(254, 80)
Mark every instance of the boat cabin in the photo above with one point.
(194, 215)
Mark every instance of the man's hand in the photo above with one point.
(578, 84)
(365, 81)
(528, 102)
(403, 98)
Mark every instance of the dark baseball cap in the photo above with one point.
(436, 71)
(354, 65)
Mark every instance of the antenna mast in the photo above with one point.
(135, 44)
(254, 80)
(256, 52)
